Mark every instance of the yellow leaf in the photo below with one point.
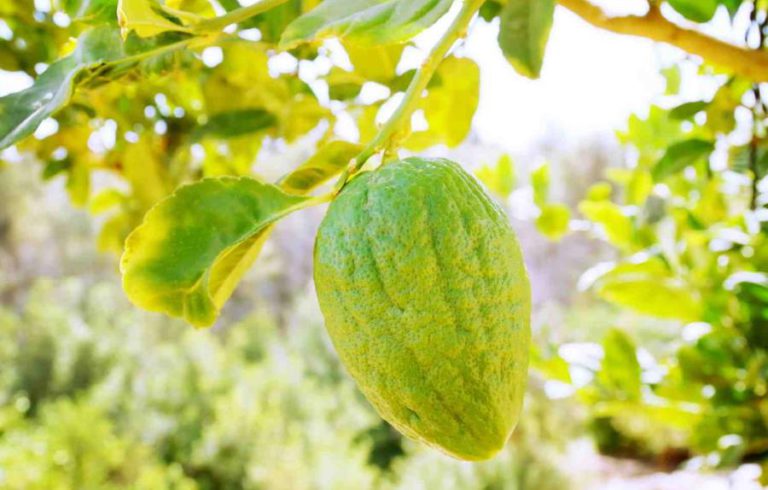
(450, 105)
(377, 63)
(148, 178)
(143, 17)
(553, 221)
(500, 179)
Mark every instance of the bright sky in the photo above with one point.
(591, 82)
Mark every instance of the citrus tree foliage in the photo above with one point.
(137, 76)
(687, 217)
(174, 101)
(690, 227)
(134, 96)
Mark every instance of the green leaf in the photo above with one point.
(620, 370)
(100, 54)
(688, 110)
(22, 112)
(328, 162)
(369, 22)
(525, 27)
(499, 179)
(762, 165)
(194, 246)
(235, 123)
(695, 10)
(144, 18)
(681, 155)
(450, 105)
(490, 10)
(55, 167)
(553, 221)
(732, 6)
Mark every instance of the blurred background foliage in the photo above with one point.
(651, 322)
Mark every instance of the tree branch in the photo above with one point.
(741, 61)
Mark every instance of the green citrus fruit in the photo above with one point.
(426, 298)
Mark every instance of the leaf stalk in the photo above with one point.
(397, 127)
(236, 16)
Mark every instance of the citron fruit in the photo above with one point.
(426, 299)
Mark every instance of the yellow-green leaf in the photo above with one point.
(330, 160)
(144, 18)
(649, 288)
(553, 368)
(639, 186)
(143, 168)
(366, 122)
(673, 78)
(540, 183)
(450, 105)
(106, 200)
(649, 296)
(616, 225)
(182, 261)
(620, 371)
(232, 265)
(112, 235)
(79, 184)
(600, 191)
(377, 63)
(499, 179)
(553, 221)
(301, 115)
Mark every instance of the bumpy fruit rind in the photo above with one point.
(422, 285)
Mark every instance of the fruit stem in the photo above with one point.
(398, 125)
